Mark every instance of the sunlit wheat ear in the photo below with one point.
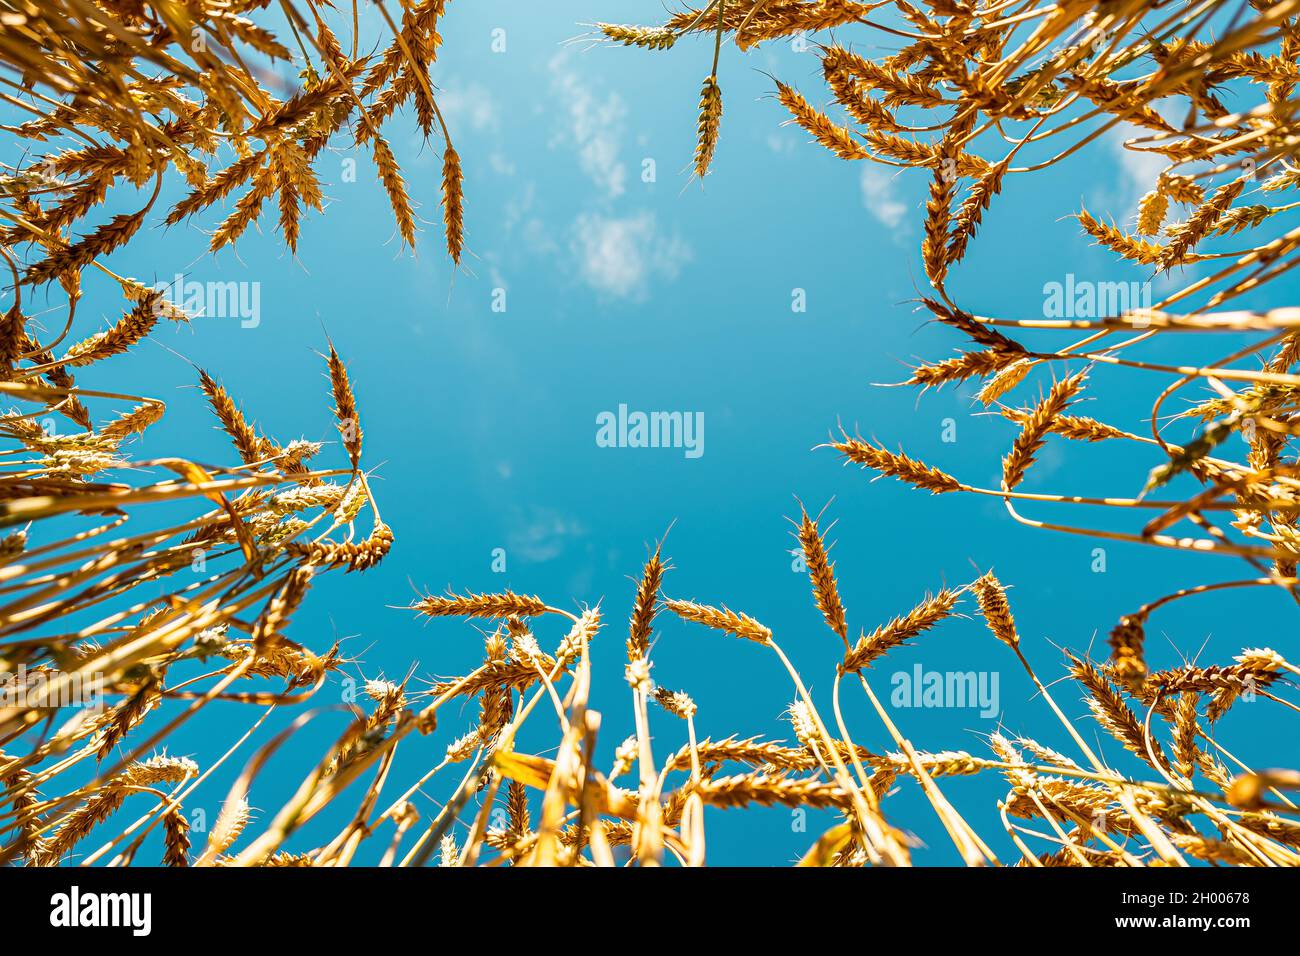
(1255, 670)
(1135, 250)
(643, 608)
(821, 571)
(104, 240)
(135, 421)
(900, 630)
(970, 214)
(231, 821)
(962, 367)
(395, 187)
(106, 801)
(721, 619)
(895, 465)
(981, 332)
(649, 38)
(130, 330)
(345, 407)
(709, 123)
(1004, 381)
(1110, 710)
(1074, 427)
(1036, 427)
(251, 446)
(993, 604)
(938, 214)
(501, 605)
(1184, 237)
(453, 202)
(837, 139)
(676, 702)
(1186, 735)
(1152, 209)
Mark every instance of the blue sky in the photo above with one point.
(665, 295)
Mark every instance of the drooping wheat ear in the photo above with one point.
(355, 555)
(345, 407)
(128, 714)
(1185, 236)
(938, 213)
(895, 465)
(721, 619)
(1126, 650)
(900, 630)
(648, 38)
(847, 91)
(251, 446)
(1135, 250)
(246, 211)
(105, 801)
(981, 332)
(1074, 427)
(1112, 713)
(67, 259)
(1004, 381)
(134, 421)
(130, 329)
(453, 201)
(501, 605)
(900, 89)
(821, 570)
(176, 839)
(709, 124)
(961, 367)
(971, 212)
(836, 138)
(1033, 433)
(914, 153)
(643, 609)
(391, 178)
(992, 598)
(496, 706)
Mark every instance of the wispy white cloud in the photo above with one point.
(594, 127)
(619, 256)
(880, 197)
(468, 105)
(541, 534)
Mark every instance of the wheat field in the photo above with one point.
(163, 587)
